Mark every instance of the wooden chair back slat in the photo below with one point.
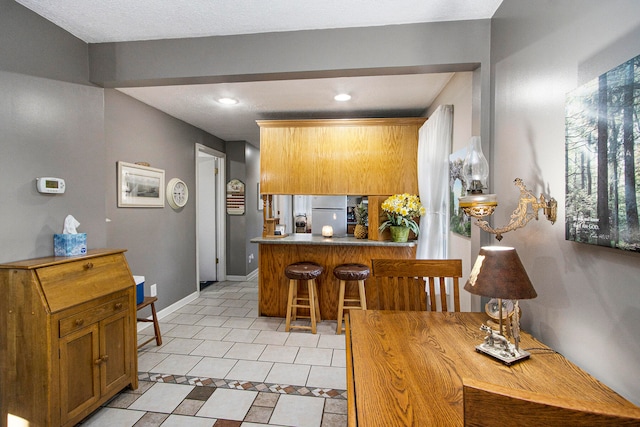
(399, 284)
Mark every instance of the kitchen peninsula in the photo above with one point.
(276, 253)
(374, 157)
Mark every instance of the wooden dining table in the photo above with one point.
(406, 369)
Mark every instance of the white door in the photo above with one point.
(210, 221)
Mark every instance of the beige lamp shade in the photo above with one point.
(499, 273)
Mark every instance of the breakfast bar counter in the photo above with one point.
(274, 254)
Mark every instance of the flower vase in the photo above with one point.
(399, 233)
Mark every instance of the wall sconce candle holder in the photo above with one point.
(527, 209)
(479, 205)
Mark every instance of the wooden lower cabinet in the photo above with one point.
(273, 285)
(94, 362)
(79, 376)
(66, 356)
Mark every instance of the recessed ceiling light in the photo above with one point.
(342, 97)
(228, 101)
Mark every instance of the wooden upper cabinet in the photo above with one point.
(343, 156)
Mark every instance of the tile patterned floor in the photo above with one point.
(221, 365)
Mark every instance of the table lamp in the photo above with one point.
(499, 273)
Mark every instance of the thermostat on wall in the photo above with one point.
(50, 185)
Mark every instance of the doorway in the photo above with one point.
(210, 224)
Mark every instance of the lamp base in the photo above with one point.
(508, 355)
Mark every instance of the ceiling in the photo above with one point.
(372, 96)
(98, 21)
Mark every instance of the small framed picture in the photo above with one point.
(140, 186)
(459, 223)
(235, 197)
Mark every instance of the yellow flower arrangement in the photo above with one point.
(400, 210)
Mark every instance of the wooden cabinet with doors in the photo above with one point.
(339, 156)
(69, 342)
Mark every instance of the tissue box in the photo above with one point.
(69, 244)
(139, 288)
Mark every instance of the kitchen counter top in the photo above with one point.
(310, 239)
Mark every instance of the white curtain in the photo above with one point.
(434, 148)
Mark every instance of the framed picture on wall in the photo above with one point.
(235, 197)
(603, 159)
(140, 186)
(459, 223)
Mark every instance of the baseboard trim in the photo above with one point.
(186, 300)
(168, 310)
(251, 276)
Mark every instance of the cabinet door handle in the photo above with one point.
(88, 266)
(118, 305)
(105, 357)
(79, 322)
(97, 361)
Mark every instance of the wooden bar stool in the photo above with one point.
(307, 271)
(154, 318)
(346, 273)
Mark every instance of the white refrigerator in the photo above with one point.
(329, 210)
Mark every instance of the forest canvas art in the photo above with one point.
(603, 159)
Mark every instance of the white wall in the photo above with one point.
(588, 305)
(160, 242)
(49, 128)
(53, 122)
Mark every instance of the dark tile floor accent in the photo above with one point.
(243, 385)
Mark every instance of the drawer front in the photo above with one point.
(93, 315)
(72, 283)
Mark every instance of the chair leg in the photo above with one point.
(312, 303)
(316, 301)
(156, 326)
(363, 296)
(294, 301)
(292, 286)
(340, 307)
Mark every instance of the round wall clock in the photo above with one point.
(177, 193)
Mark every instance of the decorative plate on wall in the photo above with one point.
(235, 197)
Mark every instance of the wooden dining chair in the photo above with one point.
(487, 405)
(400, 284)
